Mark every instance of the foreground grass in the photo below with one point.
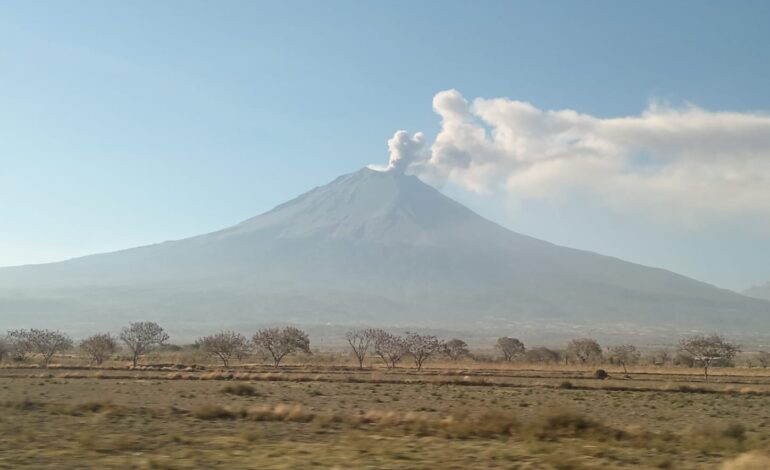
(104, 435)
(140, 421)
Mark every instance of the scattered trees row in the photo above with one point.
(142, 337)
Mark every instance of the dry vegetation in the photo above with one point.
(411, 401)
(460, 414)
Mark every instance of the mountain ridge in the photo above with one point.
(369, 247)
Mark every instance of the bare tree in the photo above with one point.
(456, 349)
(5, 348)
(43, 342)
(661, 357)
(708, 350)
(359, 341)
(542, 355)
(625, 354)
(763, 358)
(391, 348)
(421, 347)
(99, 347)
(510, 347)
(584, 350)
(141, 337)
(281, 342)
(224, 345)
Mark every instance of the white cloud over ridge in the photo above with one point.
(688, 164)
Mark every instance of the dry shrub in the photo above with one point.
(570, 424)
(217, 375)
(71, 375)
(727, 437)
(748, 461)
(488, 424)
(25, 404)
(282, 412)
(90, 407)
(390, 418)
(243, 390)
(213, 412)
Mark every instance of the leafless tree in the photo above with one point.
(510, 347)
(541, 354)
(661, 357)
(391, 348)
(708, 350)
(421, 347)
(763, 358)
(141, 337)
(280, 342)
(456, 349)
(43, 342)
(625, 354)
(359, 341)
(224, 345)
(584, 350)
(99, 347)
(5, 348)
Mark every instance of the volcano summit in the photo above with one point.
(371, 247)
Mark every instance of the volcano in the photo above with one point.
(374, 248)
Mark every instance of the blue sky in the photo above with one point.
(128, 123)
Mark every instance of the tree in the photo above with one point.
(542, 355)
(5, 348)
(421, 347)
(763, 357)
(359, 341)
(625, 354)
(456, 349)
(281, 342)
(510, 347)
(99, 347)
(43, 342)
(391, 348)
(584, 349)
(708, 350)
(141, 337)
(661, 357)
(224, 345)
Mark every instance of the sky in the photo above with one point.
(637, 130)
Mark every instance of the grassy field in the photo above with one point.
(316, 416)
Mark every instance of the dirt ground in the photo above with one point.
(322, 417)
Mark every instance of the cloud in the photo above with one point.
(405, 150)
(688, 164)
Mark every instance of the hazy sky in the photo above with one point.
(127, 123)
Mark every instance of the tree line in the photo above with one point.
(140, 338)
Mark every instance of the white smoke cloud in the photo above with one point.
(688, 164)
(405, 150)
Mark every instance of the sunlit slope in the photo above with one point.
(370, 247)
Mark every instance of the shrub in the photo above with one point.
(242, 390)
(569, 424)
(212, 412)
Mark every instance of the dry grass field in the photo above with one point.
(446, 416)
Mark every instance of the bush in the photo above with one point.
(213, 412)
(569, 424)
(242, 390)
